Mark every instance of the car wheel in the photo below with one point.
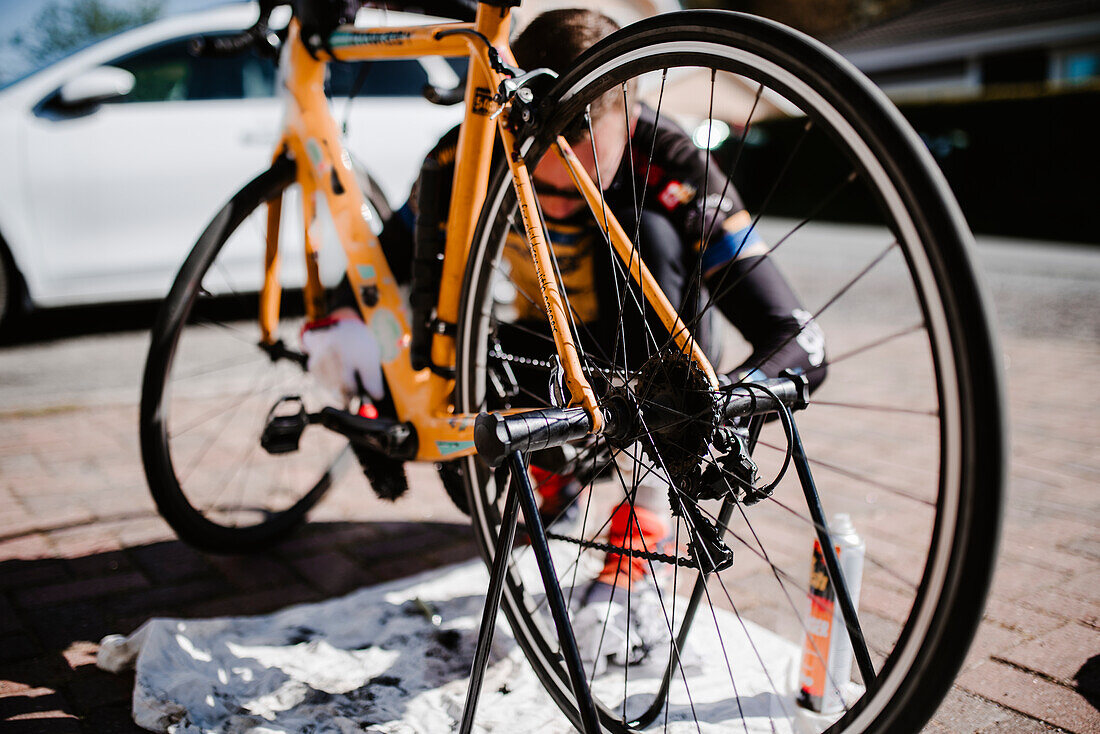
(9, 289)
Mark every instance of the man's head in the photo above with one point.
(554, 40)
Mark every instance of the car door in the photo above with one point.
(120, 192)
(390, 125)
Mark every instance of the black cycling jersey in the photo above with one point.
(692, 222)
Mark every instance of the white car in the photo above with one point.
(102, 194)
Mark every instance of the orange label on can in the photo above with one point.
(819, 623)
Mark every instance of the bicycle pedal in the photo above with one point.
(283, 432)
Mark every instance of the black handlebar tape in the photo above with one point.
(496, 436)
(443, 96)
(220, 46)
(745, 400)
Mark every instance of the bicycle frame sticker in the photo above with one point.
(449, 448)
(340, 39)
(389, 334)
(483, 101)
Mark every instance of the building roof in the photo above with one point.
(946, 29)
(944, 19)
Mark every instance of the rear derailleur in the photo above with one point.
(731, 475)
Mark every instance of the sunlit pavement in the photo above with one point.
(84, 554)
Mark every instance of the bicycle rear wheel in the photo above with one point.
(905, 435)
(210, 384)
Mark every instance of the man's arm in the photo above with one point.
(698, 198)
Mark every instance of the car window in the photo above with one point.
(383, 78)
(169, 73)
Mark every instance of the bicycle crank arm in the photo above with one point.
(385, 435)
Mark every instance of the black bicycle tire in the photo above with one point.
(172, 503)
(971, 552)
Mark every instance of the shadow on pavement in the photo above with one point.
(54, 611)
(43, 325)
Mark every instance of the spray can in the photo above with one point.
(827, 650)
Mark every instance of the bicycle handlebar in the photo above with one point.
(257, 36)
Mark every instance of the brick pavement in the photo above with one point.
(83, 554)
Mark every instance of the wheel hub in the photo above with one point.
(671, 402)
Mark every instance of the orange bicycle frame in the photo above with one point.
(312, 139)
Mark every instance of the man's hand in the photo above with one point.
(344, 355)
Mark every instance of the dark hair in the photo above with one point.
(555, 39)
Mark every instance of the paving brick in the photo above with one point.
(21, 573)
(84, 541)
(410, 542)
(93, 687)
(332, 573)
(1084, 586)
(1053, 601)
(992, 641)
(9, 621)
(113, 718)
(255, 602)
(18, 522)
(1014, 616)
(170, 562)
(144, 531)
(11, 687)
(58, 626)
(26, 547)
(317, 537)
(167, 600)
(17, 646)
(964, 713)
(885, 602)
(80, 653)
(82, 589)
(253, 572)
(1050, 558)
(44, 722)
(45, 671)
(1087, 546)
(1059, 654)
(30, 700)
(99, 564)
(1014, 580)
(1032, 696)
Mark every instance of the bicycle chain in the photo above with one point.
(608, 548)
(504, 357)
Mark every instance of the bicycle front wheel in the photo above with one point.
(904, 435)
(210, 384)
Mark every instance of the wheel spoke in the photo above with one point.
(884, 423)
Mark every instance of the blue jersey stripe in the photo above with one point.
(727, 247)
